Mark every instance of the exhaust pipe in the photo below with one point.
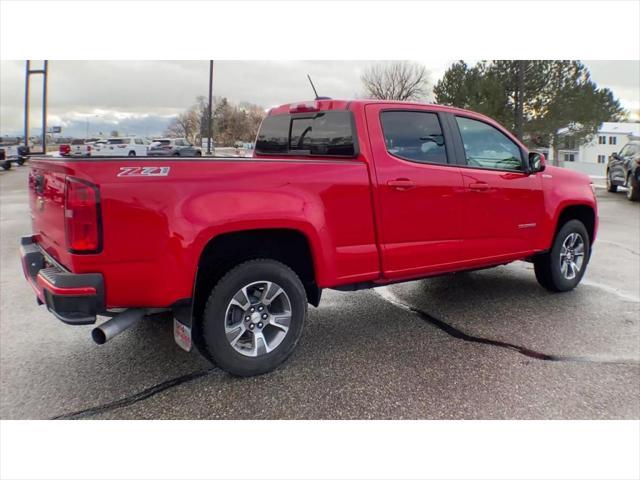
(116, 325)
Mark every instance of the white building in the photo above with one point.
(591, 157)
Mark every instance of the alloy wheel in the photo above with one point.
(257, 318)
(571, 255)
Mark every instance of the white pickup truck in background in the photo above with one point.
(80, 148)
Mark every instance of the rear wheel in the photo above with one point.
(254, 317)
(610, 186)
(6, 165)
(198, 153)
(132, 153)
(562, 268)
(21, 161)
(633, 189)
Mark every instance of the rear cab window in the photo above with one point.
(116, 141)
(414, 135)
(325, 133)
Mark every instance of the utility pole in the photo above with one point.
(28, 72)
(26, 103)
(209, 116)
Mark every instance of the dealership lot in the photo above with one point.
(488, 344)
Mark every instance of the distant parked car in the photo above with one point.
(173, 147)
(12, 153)
(64, 149)
(121, 146)
(79, 148)
(623, 169)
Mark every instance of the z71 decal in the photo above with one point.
(144, 171)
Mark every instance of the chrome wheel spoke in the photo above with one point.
(570, 269)
(281, 321)
(234, 333)
(271, 292)
(260, 346)
(241, 299)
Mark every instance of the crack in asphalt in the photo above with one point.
(385, 294)
(390, 297)
(619, 245)
(136, 397)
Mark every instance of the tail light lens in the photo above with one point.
(88, 148)
(82, 216)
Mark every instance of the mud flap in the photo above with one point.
(182, 335)
(182, 325)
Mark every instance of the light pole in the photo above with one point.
(209, 119)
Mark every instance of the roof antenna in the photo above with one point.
(312, 86)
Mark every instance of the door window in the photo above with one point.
(487, 147)
(414, 136)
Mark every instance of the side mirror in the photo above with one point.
(536, 162)
(615, 156)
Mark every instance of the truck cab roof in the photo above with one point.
(343, 104)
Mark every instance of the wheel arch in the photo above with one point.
(583, 212)
(225, 250)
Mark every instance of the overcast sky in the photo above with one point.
(141, 96)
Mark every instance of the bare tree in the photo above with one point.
(396, 81)
(186, 125)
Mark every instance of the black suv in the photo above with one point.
(623, 170)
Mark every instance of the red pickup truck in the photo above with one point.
(339, 194)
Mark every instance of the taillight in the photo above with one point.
(88, 148)
(82, 216)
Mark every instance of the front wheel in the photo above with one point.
(562, 268)
(254, 317)
(6, 165)
(633, 189)
(132, 153)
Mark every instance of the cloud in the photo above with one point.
(144, 95)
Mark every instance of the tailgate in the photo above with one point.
(46, 202)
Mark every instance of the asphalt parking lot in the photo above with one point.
(482, 345)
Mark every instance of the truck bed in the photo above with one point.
(157, 215)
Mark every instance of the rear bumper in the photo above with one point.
(74, 298)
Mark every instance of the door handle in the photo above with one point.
(479, 186)
(401, 184)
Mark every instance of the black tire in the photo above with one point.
(217, 347)
(198, 153)
(6, 165)
(610, 186)
(547, 265)
(21, 161)
(132, 153)
(177, 154)
(633, 189)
